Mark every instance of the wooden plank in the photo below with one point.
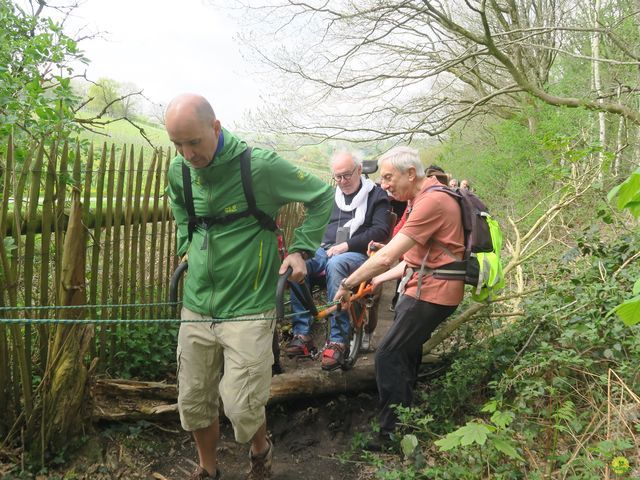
(45, 241)
(143, 287)
(106, 254)
(164, 242)
(95, 256)
(5, 372)
(155, 287)
(126, 244)
(29, 250)
(59, 221)
(116, 287)
(86, 211)
(135, 231)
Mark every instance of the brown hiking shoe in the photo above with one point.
(334, 355)
(299, 347)
(201, 474)
(261, 465)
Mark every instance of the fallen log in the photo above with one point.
(130, 400)
(117, 400)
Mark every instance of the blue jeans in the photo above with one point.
(336, 268)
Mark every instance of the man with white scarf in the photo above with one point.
(360, 215)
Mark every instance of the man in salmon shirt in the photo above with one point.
(425, 302)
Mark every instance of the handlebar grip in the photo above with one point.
(175, 280)
(302, 289)
(282, 283)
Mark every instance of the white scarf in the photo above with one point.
(359, 204)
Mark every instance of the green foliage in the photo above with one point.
(543, 376)
(628, 194)
(628, 197)
(36, 97)
(147, 352)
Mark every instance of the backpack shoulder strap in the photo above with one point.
(188, 199)
(445, 189)
(263, 219)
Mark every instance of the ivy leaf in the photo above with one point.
(629, 311)
(409, 444)
(474, 433)
(507, 448)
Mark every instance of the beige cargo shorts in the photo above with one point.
(231, 361)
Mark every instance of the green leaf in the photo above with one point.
(501, 419)
(474, 432)
(629, 311)
(507, 448)
(490, 407)
(629, 191)
(409, 443)
(449, 442)
(636, 287)
(613, 192)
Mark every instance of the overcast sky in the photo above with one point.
(167, 47)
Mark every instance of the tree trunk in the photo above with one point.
(597, 83)
(59, 414)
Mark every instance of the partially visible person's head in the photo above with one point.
(453, 183)
(346, 168)
(464, 185)
(401, 171)
(193, 128)
(439, 173)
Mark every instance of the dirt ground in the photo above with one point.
(312, 437)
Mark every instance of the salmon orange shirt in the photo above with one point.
(435, 216)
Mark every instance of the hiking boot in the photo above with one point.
(201, 474)
(260, 464)
(299, 347)
(334, 355)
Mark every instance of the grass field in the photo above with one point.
(121, 133)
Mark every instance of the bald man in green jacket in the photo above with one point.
(233, 271)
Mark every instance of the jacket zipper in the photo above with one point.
(255, 284)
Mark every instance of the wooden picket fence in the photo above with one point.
(131, 251)
(130, 255)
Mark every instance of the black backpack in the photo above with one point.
(264, 220)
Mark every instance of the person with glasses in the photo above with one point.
(360, 215)
(432, 228)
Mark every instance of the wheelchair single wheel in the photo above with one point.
(357, 321)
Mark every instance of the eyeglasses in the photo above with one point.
(345, 176)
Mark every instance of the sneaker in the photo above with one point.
(299, 347)
(334, 355)
(366, 342)
(201, 474)
(261, 464)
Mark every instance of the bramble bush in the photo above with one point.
(531, 401)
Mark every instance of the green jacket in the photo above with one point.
(237, 270)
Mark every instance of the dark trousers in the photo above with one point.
(400, 353)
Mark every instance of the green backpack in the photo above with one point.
(480, 266)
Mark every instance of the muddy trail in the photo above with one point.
(313, 436)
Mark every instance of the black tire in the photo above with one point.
(355, 336)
